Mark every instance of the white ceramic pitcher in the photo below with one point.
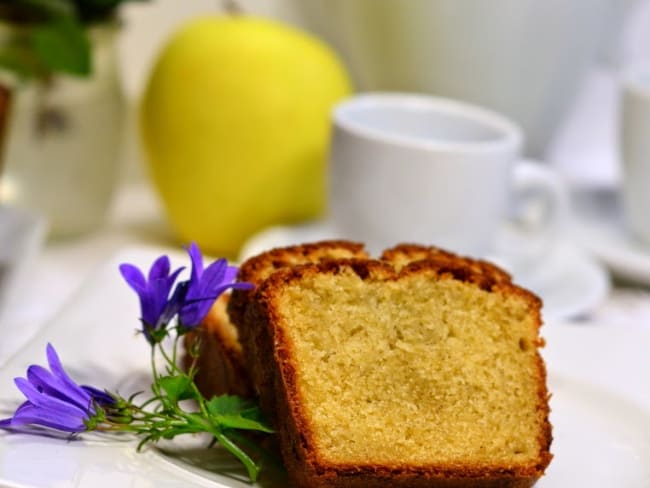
(523, 58)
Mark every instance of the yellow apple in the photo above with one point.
(235, 122)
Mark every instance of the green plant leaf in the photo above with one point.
(28, 12)
(233, 412)
(177, 388)
(243, 423)
(62, 45)
(227, 405)
(17, 59)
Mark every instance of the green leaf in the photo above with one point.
(39, 10)
(177, 388)
(233, 412)
(55, 8)
(227, 404)
(17, 59)
(242, 423)
(62, 45)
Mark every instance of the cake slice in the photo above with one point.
(423, 373)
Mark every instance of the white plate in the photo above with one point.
(569, 281)
(599, 226)
(598, 376)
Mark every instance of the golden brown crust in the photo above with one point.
(260, 267)
(404, 254)
(280, 396)
(256, 269)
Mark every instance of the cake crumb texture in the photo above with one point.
(418, 370)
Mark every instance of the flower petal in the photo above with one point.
(56, 387)
(48, 408)
(231, 273)
(101, 397)
(175, 303)
(160, 268)
(57, 419)
(197, 261)
(213, 277)
(171, 279)
(133, 276)
(154, 301)
(191, 315)
(241, 285)
(54, 400)
(57, 369)
(150, 304)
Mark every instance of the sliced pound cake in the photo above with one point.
(423, 372)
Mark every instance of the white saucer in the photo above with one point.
(599, 227)
(569, 282)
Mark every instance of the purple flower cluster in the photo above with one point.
(190, 300)
(54, 400)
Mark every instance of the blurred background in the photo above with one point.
(554, 69)
(129, 128)
(107, 131)
(610, 35)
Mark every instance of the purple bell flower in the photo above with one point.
(155, 305)
(54, 400)
(205, 286)
(191, 299)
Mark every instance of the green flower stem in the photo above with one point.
(162, 417)
(243, 440)
(147, 403)
(174, 348)
(193, 351)
(154, 373)
(171, 361)
(252, 469)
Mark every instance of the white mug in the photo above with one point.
(635, 152)
(417, 168)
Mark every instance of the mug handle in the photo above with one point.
(538, 211)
